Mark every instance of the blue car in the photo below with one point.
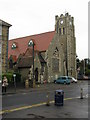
(63, 80)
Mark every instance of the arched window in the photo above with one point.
(55, 60)
(30, 43)
(59, 31)
(56, 52)
(14, 46)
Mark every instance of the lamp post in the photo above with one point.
(14, 75)
(31, 43)
(84, 66)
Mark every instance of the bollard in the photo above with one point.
(38, 86)
(81, 93)
(34, 84)
(48, 101)
(27, 84)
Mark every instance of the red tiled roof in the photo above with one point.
(13, 57)
(25, 62)
(41, 41)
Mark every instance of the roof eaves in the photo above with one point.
(5, 23)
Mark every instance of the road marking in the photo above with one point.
(31, 106)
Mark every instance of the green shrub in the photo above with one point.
(8, 75)
(87, 72)
(11, 78)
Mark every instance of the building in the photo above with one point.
(55, 51)
(4, 34)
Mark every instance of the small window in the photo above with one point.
(14, 46)
(60, 31)
(30, 43)
(57, 49)
(63, 31)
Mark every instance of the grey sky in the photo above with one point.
(30, 17)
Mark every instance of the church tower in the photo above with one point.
(64, 27)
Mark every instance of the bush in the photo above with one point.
(11, 78)
(8, 75)
(87, 72)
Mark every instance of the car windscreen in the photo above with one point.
(63, 77)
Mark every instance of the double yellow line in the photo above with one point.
(30, 106)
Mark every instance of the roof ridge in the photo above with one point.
(5, 23)
(32, 35)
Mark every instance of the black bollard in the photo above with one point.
(81, 93)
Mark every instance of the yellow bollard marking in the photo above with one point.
(30, 106)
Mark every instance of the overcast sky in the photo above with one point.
(29, 17)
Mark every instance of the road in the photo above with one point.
(27, 100)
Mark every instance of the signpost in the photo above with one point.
(32, 44)
(14, 75)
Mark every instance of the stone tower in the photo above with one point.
(64, 27)
(4, 34)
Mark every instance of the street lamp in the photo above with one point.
(14, 75)
(84, 66)
(31, 44)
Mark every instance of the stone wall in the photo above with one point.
(4, 28)
(4, 48)
(24, 73)
(55, 57)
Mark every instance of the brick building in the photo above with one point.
(55, 51)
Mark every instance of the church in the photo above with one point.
(54, 52)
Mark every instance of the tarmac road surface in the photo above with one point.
(33, 104)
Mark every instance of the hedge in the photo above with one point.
(11, 78)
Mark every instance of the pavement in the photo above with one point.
(38, 87)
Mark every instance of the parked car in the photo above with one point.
(62, 80)
(72, 79)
